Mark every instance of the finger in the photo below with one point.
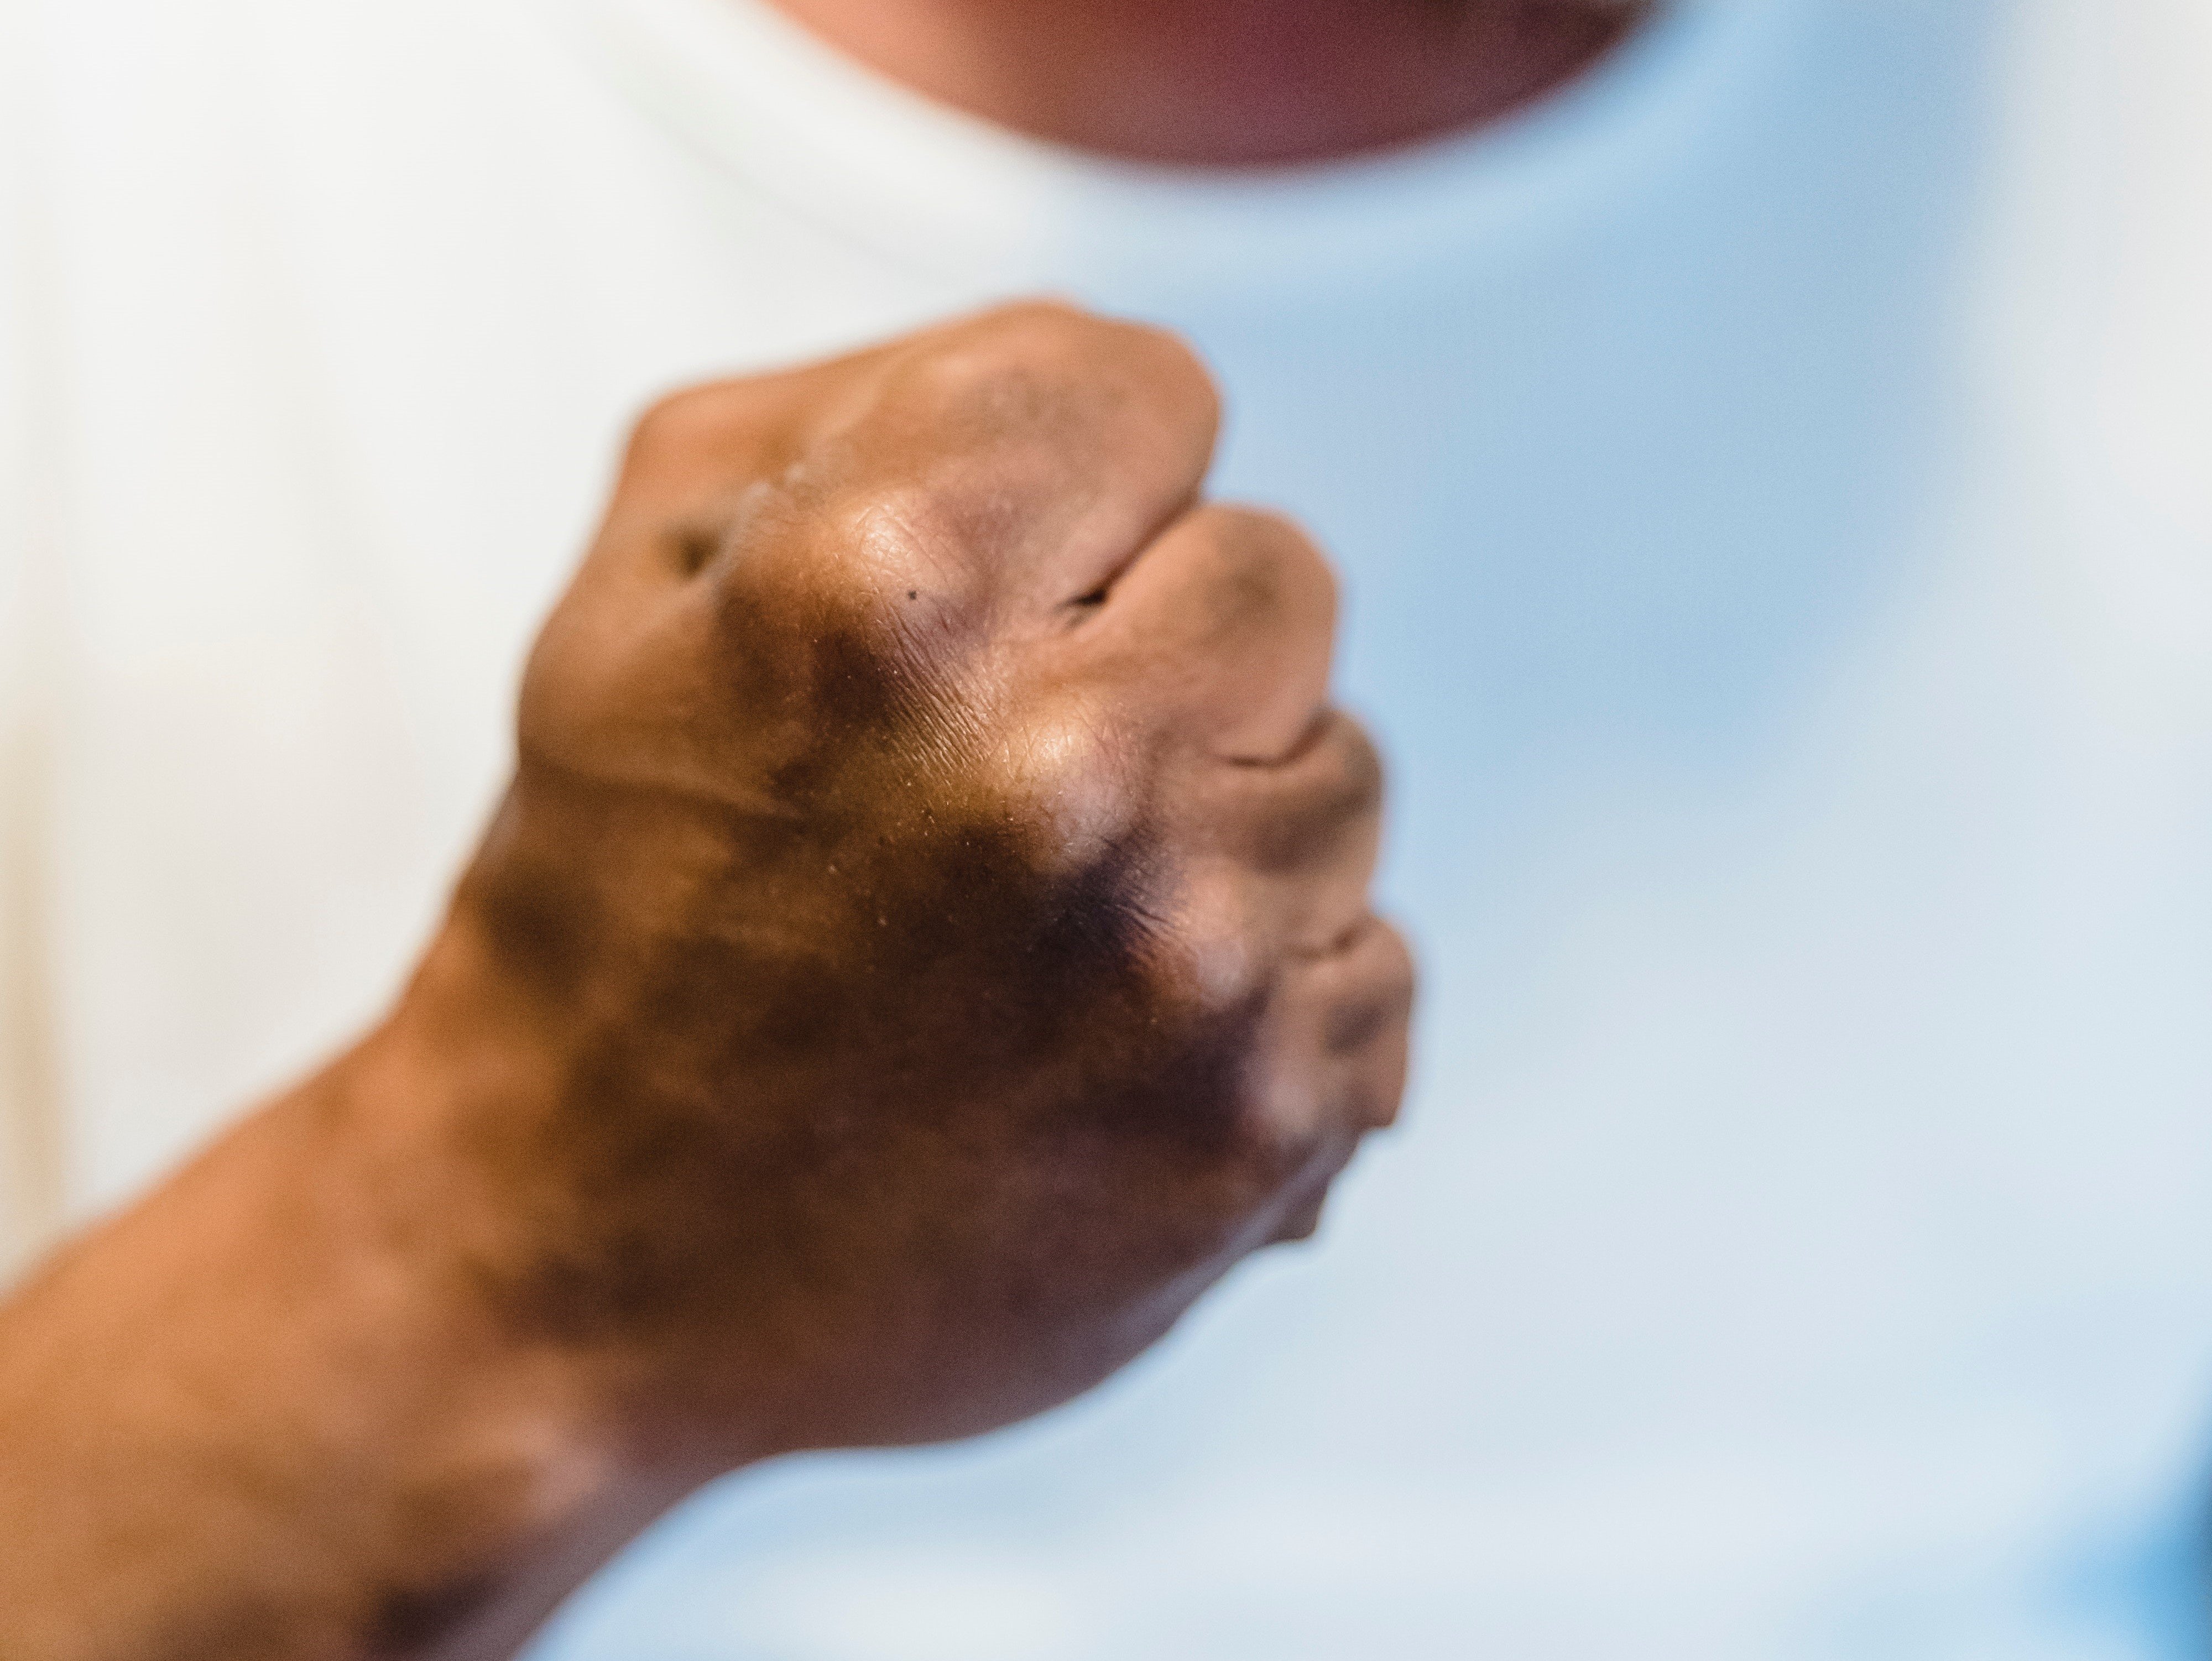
(1222, 630)
(694, 453)
(1305, 831)
(1338, 1069)
(635, 640)
(1289, 816)
(1024, 456)
(1338, 1038)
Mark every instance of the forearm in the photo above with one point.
(266, 1412)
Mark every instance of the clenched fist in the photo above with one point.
(939, 882)
(925, 944)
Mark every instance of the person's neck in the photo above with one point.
(1225, 83)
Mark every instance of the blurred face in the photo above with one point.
(1228, 83)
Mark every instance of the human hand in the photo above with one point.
(934, 888)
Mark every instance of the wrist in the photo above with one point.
(453, 1457)
(525, 1201)
(272, 1368)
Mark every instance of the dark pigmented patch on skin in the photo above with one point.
(541, 926)
(692, 548)
(407, 1619)
(879, 1070)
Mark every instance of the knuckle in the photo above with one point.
(893, 529)
(697, 438)
(1366, 779)
(1329, 1056)
(1034, 358)
(676, 421)
(1154, 356)
(1397, 975)
(1226, 962)
(907, 553)
(1163, 360)
(1265, 536)
(1309, 810)
(1071, 779)
(1384, 983)
(1265, 562)
(1352, 776)
(1005, 366)
(1375, 998)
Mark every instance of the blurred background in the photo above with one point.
(1772, 479)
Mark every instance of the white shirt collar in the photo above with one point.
(940, 190)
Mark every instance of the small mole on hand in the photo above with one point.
(909, 594)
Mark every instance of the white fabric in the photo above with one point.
(1774, 484)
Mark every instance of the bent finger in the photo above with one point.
(1222, 631)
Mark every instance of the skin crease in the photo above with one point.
(1227, 83)
(925, 943)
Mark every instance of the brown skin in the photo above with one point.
(1227, 83)
(925, 944)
